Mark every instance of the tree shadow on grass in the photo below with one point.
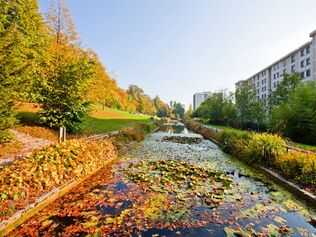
(91, 125)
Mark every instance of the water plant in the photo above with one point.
(180, 178)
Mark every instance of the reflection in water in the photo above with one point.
(178, 129)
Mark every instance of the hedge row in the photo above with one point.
(264, 149)
(49, 167)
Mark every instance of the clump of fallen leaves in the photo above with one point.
(49, 167)
(269, 230)
(9, 148)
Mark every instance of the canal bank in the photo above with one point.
(174, 183)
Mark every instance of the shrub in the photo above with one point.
(49, 167)
(147, 127)
(230, 140)
(133, 134)
(299, 166)
(264, 148)
(5, 136)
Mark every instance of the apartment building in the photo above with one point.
(301, 60)
(199, 98)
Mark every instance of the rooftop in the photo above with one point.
(313, 33)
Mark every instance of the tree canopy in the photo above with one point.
(43, 61)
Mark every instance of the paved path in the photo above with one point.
(28, 143)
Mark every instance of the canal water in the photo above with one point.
(174, 183)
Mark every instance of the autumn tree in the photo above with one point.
(103, 89)
(161, 107)
(189, 112)
(22, 42)
(62, 91)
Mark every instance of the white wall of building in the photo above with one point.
(301, 60)
(199, 98)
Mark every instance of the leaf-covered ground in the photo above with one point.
(164, 187)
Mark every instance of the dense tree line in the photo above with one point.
(177, 109)
(43, 61)
(289, 110)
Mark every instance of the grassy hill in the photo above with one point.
(99, 121)
(111, 119)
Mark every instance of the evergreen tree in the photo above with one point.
(178, 109)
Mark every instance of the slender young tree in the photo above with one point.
(189, 112)
(62, 90)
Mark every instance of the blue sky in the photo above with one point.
(174, 48)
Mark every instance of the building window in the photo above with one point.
(284, 71)
(308, 61)
(284, 62)
(293, 58)
(258, 83)
(302, 74)
(274, 84)
(302, 53)
(293, 69)
(308, 50)
(302, 64)
(308, 73)
(278, 75)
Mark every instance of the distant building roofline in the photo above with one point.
(281, 59)
(204, 92)
(312, 33)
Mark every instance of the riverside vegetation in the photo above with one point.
(164, 187)
(264, 149)
(53, 166)
(290, 109)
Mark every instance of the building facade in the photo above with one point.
(199, 98)
(301, 60)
